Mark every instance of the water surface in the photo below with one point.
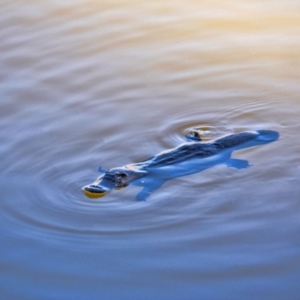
(87, 83)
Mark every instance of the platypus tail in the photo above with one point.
(247, 139)
(267, 135)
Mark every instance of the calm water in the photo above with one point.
(90, 83)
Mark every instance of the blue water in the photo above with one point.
(88, 84)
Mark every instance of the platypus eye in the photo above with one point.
(121, 176)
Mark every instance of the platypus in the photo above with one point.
(188, 158)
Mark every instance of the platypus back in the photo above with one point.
(246, 139)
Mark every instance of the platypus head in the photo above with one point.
(115, 178)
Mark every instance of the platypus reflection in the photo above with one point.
(188, 158)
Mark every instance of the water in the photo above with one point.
(86, 84)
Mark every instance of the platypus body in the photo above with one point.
(188, 158)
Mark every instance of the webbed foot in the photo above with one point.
(142, 195)
(147, 190)
(101, 170)
(238, 163)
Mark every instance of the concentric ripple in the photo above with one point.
(55, 202)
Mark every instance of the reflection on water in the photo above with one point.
(85, 84)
